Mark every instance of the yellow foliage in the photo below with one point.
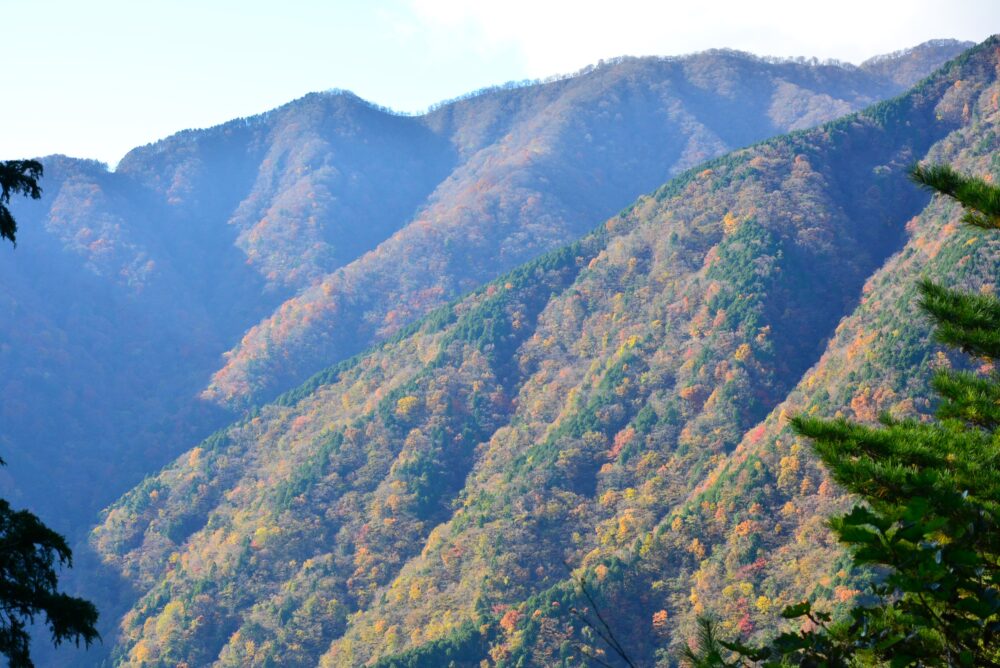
(407, 406)
(626, 526)
(806, 487)
(730, 223)
(788, 469)
(142, 652)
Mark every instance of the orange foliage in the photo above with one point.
(622, 438)
(660, 621)
(509, 620)
(756, 433)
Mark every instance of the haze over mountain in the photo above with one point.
(296, 238)
(538, 166)
(615, 403)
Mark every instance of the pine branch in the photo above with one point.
(980, 199)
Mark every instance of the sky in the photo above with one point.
(95, 78)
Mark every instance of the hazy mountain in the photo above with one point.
(615, 404)
(537, 167)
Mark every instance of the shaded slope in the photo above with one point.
(128, 286)
(305, 188)
(423, 496)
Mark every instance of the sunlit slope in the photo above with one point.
(595, 407)
(880, 359)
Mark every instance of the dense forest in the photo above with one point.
(260, 235)
(612, 411)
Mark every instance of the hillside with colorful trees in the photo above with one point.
(537, 167)
(266, 248)
(612, 412)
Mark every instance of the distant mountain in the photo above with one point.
(616, 404)
(909, 66)
(538, 166)
(296, 238)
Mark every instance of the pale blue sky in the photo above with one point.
(94, 78)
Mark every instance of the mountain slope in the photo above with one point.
(542, 165)
(598, 406)
(335, 222)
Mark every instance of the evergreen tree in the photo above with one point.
(17, 177)
(928, 524)
(29, 550)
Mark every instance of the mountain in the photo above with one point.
(909, 66)
(293, 239)
(538, 167)
(615, 407)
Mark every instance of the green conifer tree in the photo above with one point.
(929, 524)
(17, 177)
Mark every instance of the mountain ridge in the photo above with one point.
(236, 378)
(420, 500)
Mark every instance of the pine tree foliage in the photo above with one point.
(980, 199)
(708, 653)
(17, 177)
(968, 322)
(29, 554)
(929, 527)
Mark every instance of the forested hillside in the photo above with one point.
(127, 287)
(615, 406)
(539, 166)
